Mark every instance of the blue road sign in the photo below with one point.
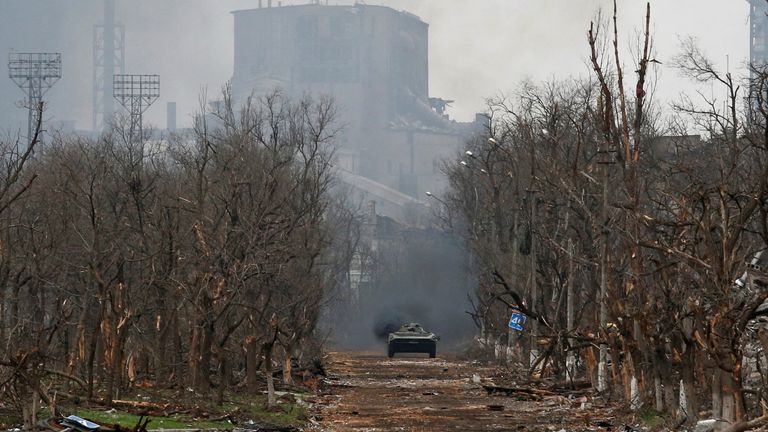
(517, 320)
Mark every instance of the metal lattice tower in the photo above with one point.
(35, 74)
(108, 59)
(136, 93)
(758, 32)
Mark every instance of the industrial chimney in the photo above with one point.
(171, 117)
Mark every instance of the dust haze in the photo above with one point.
(422, 276)
(477, 48)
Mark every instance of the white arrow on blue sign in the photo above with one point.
(517, 320)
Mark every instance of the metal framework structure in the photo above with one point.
(35, 74)
(108, 59)
(758, 32)
(136, 93)
(758, 51)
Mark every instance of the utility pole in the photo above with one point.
(570, 360)
(35, 74)
(533, 289)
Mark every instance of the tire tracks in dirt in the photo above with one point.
(370, 392)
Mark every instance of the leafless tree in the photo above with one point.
(163, 258)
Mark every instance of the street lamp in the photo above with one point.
(444, 205)
(497, 146)
(466, 165)
(533, 288)
(433, 196)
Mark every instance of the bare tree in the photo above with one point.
(108, 234)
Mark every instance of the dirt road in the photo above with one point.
(369, 392)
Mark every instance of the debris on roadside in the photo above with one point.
(707, 425)
(74, 423)
(518, 392)
(263, 427)
(371, 392)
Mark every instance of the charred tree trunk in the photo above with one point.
(205, 356)
(223, 378)
(717, 393)
(115, 370)
(729, 398)
(691, 406)
(268, 348)
(178, 357)
(737, 387)
(4, 276)
(271, 398)
(251, 363)
(80, 336)
(664, 383)
(162, 331)
(201, 344)
(29, 412)
(93, 349)
(287, 363)
(13, 308)
(195, 343)
(114, 325)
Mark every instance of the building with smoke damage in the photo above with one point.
(374, 61)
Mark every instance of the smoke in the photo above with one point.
(477, 48)
(387, 322)
(189, 43)
(417, 275)
(481, 48)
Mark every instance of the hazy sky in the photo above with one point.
(478, 48)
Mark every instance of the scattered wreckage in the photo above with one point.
(74, 423)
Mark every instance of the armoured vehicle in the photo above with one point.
(412, 338)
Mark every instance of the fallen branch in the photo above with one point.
(123, 403)
(748, 425)
(79, 381)
(141, 404)
(228, 416)
(528, 393)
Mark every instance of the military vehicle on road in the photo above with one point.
(412, 338)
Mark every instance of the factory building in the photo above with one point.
(374, 61)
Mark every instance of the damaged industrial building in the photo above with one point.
(373, 60)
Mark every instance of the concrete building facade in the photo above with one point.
(373, 60)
